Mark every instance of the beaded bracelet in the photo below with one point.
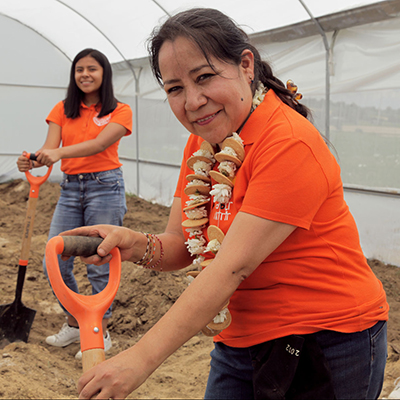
(161, 253)
(150, 251)
(146, 253)
(153, 252)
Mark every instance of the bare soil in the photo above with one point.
(35, 370)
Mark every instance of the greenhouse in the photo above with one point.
(343, 55)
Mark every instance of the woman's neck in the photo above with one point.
(88, 100)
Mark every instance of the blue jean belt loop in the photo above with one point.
(90, 175)
(80, 177)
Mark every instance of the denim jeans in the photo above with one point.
(88, 199)
(356, 360)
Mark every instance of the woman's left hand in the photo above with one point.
(115, 378)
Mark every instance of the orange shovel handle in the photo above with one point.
(87, 310)
(35, 181)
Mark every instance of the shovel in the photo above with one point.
(16, 319)
(87, 310)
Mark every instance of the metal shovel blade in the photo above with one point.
(15, 322)
(16, 319)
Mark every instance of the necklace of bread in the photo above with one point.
(230, 158)
(198, 189)
(223, 319)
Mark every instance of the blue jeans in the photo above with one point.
(356, 360)
(88, 199)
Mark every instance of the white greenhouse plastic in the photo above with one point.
(346, 51)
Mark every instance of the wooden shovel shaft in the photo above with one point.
(92, 357)
(28, 228)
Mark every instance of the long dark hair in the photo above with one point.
(218, 36)
(75, 95)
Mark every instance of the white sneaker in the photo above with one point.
(395, 394)
(66, 336)
(107, 346)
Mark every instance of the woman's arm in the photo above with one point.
(113, 132)
(248, 242)
(133, 244)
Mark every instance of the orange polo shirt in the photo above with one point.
(86, 127)
(318, 278)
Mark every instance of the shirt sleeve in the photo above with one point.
(57, 114)
(287, 184)
(123, 115)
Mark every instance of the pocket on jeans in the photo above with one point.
(108, 180)
(275, 367)
(63, 183)
(378, 339)
(377, 330)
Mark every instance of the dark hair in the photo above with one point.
(75, 95)
(218, 36)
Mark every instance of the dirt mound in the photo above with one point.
(35, 370)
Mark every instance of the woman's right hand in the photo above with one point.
(24, 164)
(48, 157)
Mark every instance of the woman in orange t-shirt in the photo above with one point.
(88, 124)
(278, 276)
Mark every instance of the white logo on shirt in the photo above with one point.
(223, 211)
(102, 121)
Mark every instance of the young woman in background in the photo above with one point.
(88, 124)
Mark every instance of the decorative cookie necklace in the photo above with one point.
(199, 190)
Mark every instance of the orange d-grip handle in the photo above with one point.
(35, 181)
(87, 310)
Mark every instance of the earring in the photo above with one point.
(251, 80)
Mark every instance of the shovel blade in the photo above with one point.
(15, 322)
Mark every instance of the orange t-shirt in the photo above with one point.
(318, 278)
(86, 127)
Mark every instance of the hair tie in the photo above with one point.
(293, 88)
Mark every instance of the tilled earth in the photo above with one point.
(35, 370)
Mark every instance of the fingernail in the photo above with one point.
(101, 252)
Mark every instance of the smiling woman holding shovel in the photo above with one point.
(88, 124)
(282, 284)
